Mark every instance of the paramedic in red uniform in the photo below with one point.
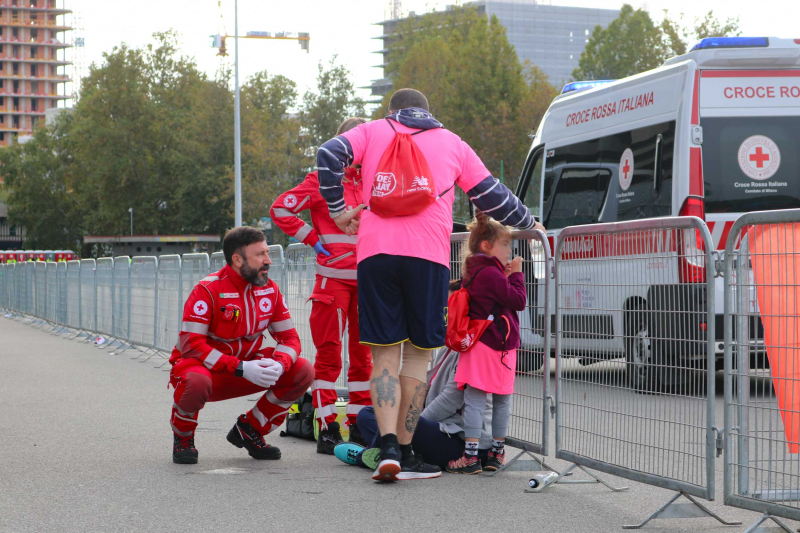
(223, 351)
(334, 300)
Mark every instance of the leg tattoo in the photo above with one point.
(415, 409)
(385, 389)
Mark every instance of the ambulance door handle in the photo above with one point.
(658, 158)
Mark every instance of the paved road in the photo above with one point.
(85, 447)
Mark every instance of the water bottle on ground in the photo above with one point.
(540, 481)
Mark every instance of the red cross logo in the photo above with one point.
(627, 168)
(759, 157)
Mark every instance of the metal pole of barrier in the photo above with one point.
(761, 435)
(642, 289)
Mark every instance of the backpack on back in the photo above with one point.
(403, 182)
(462, 331)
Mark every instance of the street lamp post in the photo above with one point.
(130, 210)
(236, 129)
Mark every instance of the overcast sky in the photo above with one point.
(337, 27)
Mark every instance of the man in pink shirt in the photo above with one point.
(403, 262)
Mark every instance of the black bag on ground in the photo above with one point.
(301, 423)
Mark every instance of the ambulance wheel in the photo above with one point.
(640, 366)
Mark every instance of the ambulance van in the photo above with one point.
(714, 133)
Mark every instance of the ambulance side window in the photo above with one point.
(649, 146)
(530, 183)
(575, 185)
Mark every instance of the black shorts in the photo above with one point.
(402, 299)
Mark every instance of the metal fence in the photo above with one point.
(529, 423)
(104, 288)
(762, 376)
(635, 355)
(169, 308)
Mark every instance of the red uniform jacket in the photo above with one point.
(342, 262)
(225, 320)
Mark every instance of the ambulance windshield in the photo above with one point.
(751, 163)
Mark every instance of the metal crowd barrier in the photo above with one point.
(529, 424)
(121, 297)
(88, 290)
(217, 261)
(61, 293)
(143, 301)
(104, 288)
(51, 297)
(194, 267)
(762, 378)
(299, 276)
(73, 301)
(635, 356)
(39, 288)
(169, 308)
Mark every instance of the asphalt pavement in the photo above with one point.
(85, 446)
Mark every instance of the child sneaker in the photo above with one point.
(466, 464)
(496, 461)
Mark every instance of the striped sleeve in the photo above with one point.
(286, 207)
(332, 158)
(497, 201)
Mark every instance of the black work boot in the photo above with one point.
(183, 450)
(243, 435)
(329, 438)
(356, 436)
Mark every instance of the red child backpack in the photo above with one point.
(403, 182)
(462, 331)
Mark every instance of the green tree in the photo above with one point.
(326, 108)
(633, 43)
(39, 187)
(475, 85)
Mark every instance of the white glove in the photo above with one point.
(262, 372)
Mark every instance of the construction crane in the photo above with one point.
(218, 41)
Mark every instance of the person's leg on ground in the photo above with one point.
(358, 372)
(382, 325)
(355, 454)
(192, 383)
(270, 411)
(435, 446)
(327, 329)
(474, 407)
(501, 413)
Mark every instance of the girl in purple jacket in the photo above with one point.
(496, 290)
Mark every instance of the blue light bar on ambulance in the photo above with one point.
(730, 42)
(583, 85)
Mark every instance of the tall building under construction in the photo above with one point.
(33, 62)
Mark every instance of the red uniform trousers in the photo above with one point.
(334, 306)
(195, 385)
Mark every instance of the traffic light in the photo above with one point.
(304, 41)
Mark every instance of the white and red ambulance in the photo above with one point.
(713, 133)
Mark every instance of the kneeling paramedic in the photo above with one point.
(223, 352)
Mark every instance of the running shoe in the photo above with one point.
(466, 464)
(347, 452)
(415, 468)
(496, 461)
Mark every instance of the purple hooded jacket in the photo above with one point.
(492, 293)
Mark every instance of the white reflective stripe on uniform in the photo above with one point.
(300, 207)
(326, 410)
(335, 272)
(339, 239)
(288, 351)
(253, 337)
(341, 324)
(194, 327)
(321, 384)
(281, 325)
(271, 398)
(212, 358)
(303, 232)
(181, 411)
(210, 278)
(353, 409)
(357, 386)
(259, 416)
(190, 420)
(181, 433)
(281, 212)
